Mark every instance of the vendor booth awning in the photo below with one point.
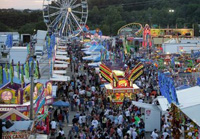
(189, 103)
(60, 65)
(61, 53)
(61, 103)
(61, 62)
(189, 97)
(163, 103)
(62, 57)
(60, 71)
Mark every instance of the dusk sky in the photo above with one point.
(21, 4)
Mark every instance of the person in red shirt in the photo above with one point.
(60, 117)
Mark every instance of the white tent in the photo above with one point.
(60, 65)
(188, 97)
(60, 57)
(189, 103)
(60, 71)
(61, 53)
(61, 62)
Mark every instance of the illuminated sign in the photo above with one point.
(5, 109)
(6, 95)
(122, 83)
(49, 89)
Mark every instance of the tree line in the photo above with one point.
(110, 15)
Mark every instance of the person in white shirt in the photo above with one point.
(165, 134)
(119, 132)
(165, 126)
(127, 113)
(93, 89)
(120, 119)
(53, 124)
(95, 123)
(83, 119)
(140, 100)
(154, 135)
(61, 131)
(134, 134)
(78, 101)
(80, 120)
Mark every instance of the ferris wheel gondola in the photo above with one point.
(65, 17)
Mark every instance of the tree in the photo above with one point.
(4, 28)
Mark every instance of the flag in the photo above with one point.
(173, 62)
(36, 72)
(42, 102)
(11, 73)
(22, 74)
(6, 71)
(27, 70)
(9, 41)
(1, 75)
(18, 70)
(28, 48)
(39, 98)
(51, 67)
(198, 81)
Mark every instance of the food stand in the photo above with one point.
(120, 84)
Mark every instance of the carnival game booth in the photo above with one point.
(19, 130)
(15, 97)
(120, 84)
(14, 115)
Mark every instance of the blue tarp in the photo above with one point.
(61, 103)
(167, 88)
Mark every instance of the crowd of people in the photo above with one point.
(96, 116)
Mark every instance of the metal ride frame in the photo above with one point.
(65, 17)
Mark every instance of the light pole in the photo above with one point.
(171, 11)
(32, 82)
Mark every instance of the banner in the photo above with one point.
(167, 88)
(9, 40)
(38, 100)
(18, 70)
(28, 48)
(22, 75)
(6, 71)
(36, 71)
(11, 73)
(1, 75)
(27, 70)
(198, 81)
(42, 102)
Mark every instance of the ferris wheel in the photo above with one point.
(65, 17)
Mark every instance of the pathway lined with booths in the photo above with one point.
(93, 116)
